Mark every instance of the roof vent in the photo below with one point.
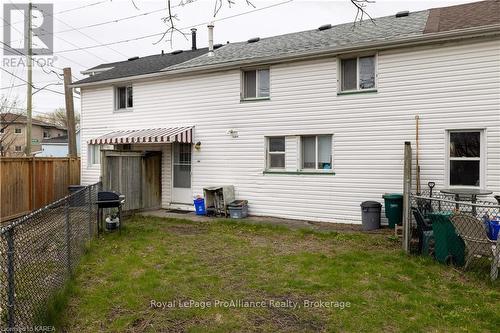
(133, 58)
(403, 13)
(254, 40)
(216, 46)
(325, 27)
(176, 52)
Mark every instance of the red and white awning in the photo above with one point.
(151, 135)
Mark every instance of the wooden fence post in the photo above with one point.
(406, 196)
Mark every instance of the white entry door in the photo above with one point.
(181, 189)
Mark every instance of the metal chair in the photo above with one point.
(424, 230)
(477, 243)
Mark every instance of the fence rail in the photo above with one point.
(462, 233)
(28, 183)
(39, 252)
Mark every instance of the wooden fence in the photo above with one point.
(28, 183)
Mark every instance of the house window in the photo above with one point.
(256, 84)
(2, 130)
(357, 73)
(46, 134)
(465, 158)
(124, 98)
(276, 152)
(94, 154)
(18, 148)
(17, 130)
(316, 152)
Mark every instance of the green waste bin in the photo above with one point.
(449, 247)
(393, 208)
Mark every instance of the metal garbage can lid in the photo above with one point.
(371, 204)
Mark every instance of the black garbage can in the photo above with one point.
(79, 199)
(370, 215)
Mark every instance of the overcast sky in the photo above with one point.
(263, 21)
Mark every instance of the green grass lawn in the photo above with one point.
(370, 284)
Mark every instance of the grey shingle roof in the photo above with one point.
(144, 65)
(340, 36)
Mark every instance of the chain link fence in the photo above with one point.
(39, 252)
(461, 233)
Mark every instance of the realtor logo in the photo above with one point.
(15, 32)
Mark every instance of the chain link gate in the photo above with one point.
(459, 233)
(38, 254)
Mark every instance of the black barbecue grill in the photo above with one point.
(109, 199)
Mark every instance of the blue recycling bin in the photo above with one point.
(199, 206)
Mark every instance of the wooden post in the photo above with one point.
(70, 112)
(406, 197)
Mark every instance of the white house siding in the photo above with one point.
(450, 86)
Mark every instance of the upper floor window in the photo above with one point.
(46, 134)
(357, 73)
(17, 130)
(276, 152)
(123, 98)
(466, 158)
(18, 148)
(256, 84)
(316, 152)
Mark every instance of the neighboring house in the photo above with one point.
(58, 146)
(308, 125)
(13, 134)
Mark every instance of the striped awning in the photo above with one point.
(150, 135)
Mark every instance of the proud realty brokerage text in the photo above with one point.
(239, 303)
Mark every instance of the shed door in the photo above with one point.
(136, 175)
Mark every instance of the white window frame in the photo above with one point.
(116, 99)
(482, 158)
(46, 136)
(269, 152)
(301, 154)
(20, 149)
(91, 153)
(20, 130)
(242, 86)
(357, 56)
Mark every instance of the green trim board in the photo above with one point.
(268, 172)
(340, 93)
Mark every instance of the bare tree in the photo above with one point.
(172, 18)
(9, 115)
(58, 117)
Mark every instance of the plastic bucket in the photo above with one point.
(494, 229)
(199, 206)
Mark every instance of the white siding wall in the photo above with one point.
(450, 86)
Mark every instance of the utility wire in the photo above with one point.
(15, 50)
(80, 32)
(64, 40)
(116, 20)
(185, 28)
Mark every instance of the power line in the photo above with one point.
(71, 9)
(44, 89)
(185, 28)
(15, 50)
(82, 33)
(116, 20)
(71, 43)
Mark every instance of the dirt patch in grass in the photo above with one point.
(190, 229)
